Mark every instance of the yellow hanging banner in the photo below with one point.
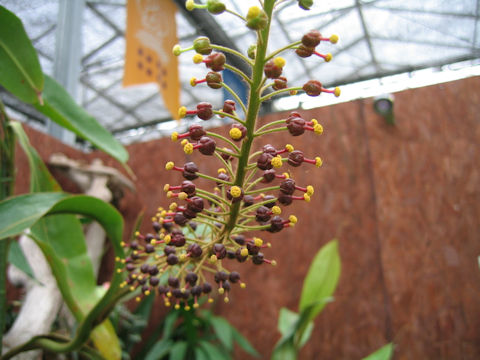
(151, 34)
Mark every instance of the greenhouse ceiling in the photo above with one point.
(378, 38)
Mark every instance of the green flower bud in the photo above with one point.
(202, 45)
(252, 51)
(305, 4)
(256, 18)
(215, 7)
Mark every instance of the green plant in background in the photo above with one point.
(21, 74)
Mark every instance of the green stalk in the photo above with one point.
(251, 114)
(7, 183)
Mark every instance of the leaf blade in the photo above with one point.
(62, 109)
(384, 353)
(20, 71)
(322, 278)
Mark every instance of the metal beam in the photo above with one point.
(367, 36)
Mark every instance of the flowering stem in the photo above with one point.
(237, 71)
(236, 14)
(251, 113)
(256, 191)
(268, 96)
(221, 113)
(276, 122)
(278, 51)
(283, 128)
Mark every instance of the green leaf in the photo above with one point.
(286, 351)
(223, 330)
(244, 343)
(200, 354)
(288, 323)
(40, 178)
(213, 352)
(160, 349)
(322, 278)
(169, 324)
(21, 212)
(61, 108)
(20, 71)
(384, 353)
(178, 351)
(17, 258)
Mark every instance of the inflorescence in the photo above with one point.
(202, 231)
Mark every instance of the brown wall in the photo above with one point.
(404, 202)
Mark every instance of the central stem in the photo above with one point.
(252, 113)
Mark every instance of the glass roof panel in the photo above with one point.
(377, 38)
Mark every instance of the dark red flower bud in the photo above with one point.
(225, 156)
(258, 258)
(268, 175)
(169, 250)
(271, 70)
(239, 256)
(207, 288)
(252, 248)
(196, 290)
(219, 251)
(234, 277)
(194, 250)
(239, 239)
(196, 131)
(295, 158)
(296, 126)
(262, 214)
(269, 149)
(204, 110)
(304, 51)
(248, 200)
(214, 80)
(188, 187)
(196, 204)
(287, 186)
(207, 145)
(276, 224)
(220, 276)
(154, 281)
(280, 83)
(271, 203)
(172, 259)
(173, 282)
(285, 199)
(264, 161)
(189, 171)
(312, 38)
(229, 107)
(313, 87)
(191, 278)
(177, 239)
(215, 61)
(180, 219)
(222, 176)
